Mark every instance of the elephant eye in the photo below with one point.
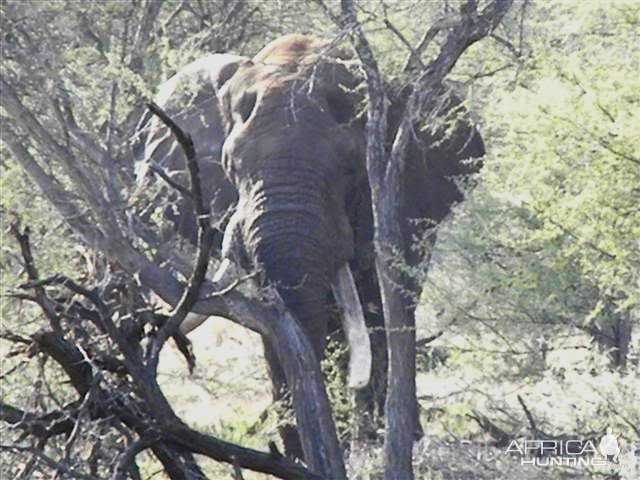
(246, 105)
(340, 107)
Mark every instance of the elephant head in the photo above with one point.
(292, 151)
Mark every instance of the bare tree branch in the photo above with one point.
(172, 183)
(530, 419)
(45, 426)
(80, 177)
(127, 459)
(205, 239)
(58, 466)
(146, 410)
(32, 273)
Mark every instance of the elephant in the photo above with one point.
(280, 139)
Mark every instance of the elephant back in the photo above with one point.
(189, 98)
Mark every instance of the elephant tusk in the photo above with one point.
(346, 294)
(224, 272)
(222, 277)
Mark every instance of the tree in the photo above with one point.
(384, 176)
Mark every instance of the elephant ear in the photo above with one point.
(446, 149)
(189, 97)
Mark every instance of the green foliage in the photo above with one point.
(554, 224)
(536, 280)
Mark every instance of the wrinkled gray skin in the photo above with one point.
(293, 152)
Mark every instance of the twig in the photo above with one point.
(65, 281)
(49, 461)
(173, 15)
(32, 273)
(531, 420)
(172, 183)
(327, 11)
(237, 471)
(498, 434)
(43, 427)
(426, 341)
(507, 44)
(128, 457)
(489, 73)
(523, 13)
(414, 56)
(425, 41)
(232, 286)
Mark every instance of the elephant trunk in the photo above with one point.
(289, 236)
(288, 227)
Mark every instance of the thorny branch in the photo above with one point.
(312, 407)
(140, 406)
